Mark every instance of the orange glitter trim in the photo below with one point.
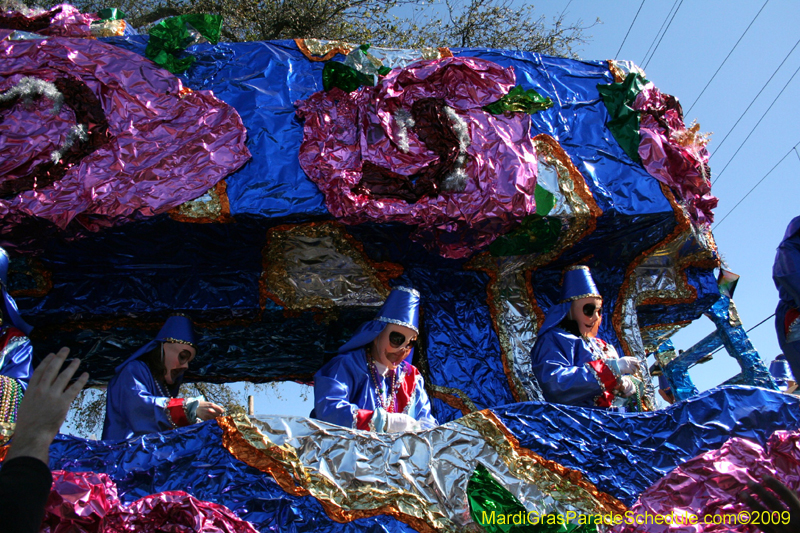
(453, 401)
(301, 45)
(224, 217)
(240, 448)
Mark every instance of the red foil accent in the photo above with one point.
(609, 381)
(176, 410)
(406, 390)
(88, 502)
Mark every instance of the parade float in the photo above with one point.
(276, 191)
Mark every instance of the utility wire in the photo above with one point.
(716, 149)
(756, 126)
(726, 57)
(631, 27)
(756, 185)
(658, 32)
(663, 34)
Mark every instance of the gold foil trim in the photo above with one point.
(108, 28)
(211, 207)
(277, 283)
(34, 269)
(562, 484)
(322, 50)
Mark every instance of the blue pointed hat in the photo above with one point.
(10, 310)
(780, 370)
(401, 307)
(178, 329)
(578, 283)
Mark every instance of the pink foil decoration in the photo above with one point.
(681, 165)
(62, 20)
(164, 144)
(88, 502)
(342, 132)
(709, 484)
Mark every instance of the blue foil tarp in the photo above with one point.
(625, 453)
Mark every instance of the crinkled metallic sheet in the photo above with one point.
(262, 80)
(143, 149)
(461, 346)
(624, 453)
(708, 485)
(703, 281)
(577, 120)
(193, 460)
(420, 478)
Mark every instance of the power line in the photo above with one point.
(716, 149)
(663, 34)
(756, 126)
(726, 57)
(748, 331)
(658, 32)
(631, 27)
(756, 185)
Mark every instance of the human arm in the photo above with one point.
(786, 269)
(778, 499)
(334, 387)
(565, 369)
(44, 406)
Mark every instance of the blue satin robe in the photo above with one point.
(134, 404)
(16, 356)
(559, 362)
(343, 386)
(786, 275)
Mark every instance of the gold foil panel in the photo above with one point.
(213, 206)
(27, 276)
(108, 28)
(6, 431)
(418, 478)
(621, 68)
(319, 266)
(322, 50)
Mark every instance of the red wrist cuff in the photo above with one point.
(176, 411)
(363, 417)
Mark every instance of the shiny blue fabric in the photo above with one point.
(193, 460)
(16, 359)
(559, 360)
(786, 275)
(625, 453)
(343, 386)
(10, 312)
(134, 404)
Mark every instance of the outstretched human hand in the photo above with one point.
(44, 406)
(626, 387)
(779, 498)
(628, 365)
(209, 410)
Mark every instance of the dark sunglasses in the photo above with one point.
(397, 339)
(589, 309)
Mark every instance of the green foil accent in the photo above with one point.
(536, 234)
(171, 36)
(497, 510)
(624, 123)
(518, 100)
(384, 70)
(110, 13)
(545, 200)
(348, 79)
